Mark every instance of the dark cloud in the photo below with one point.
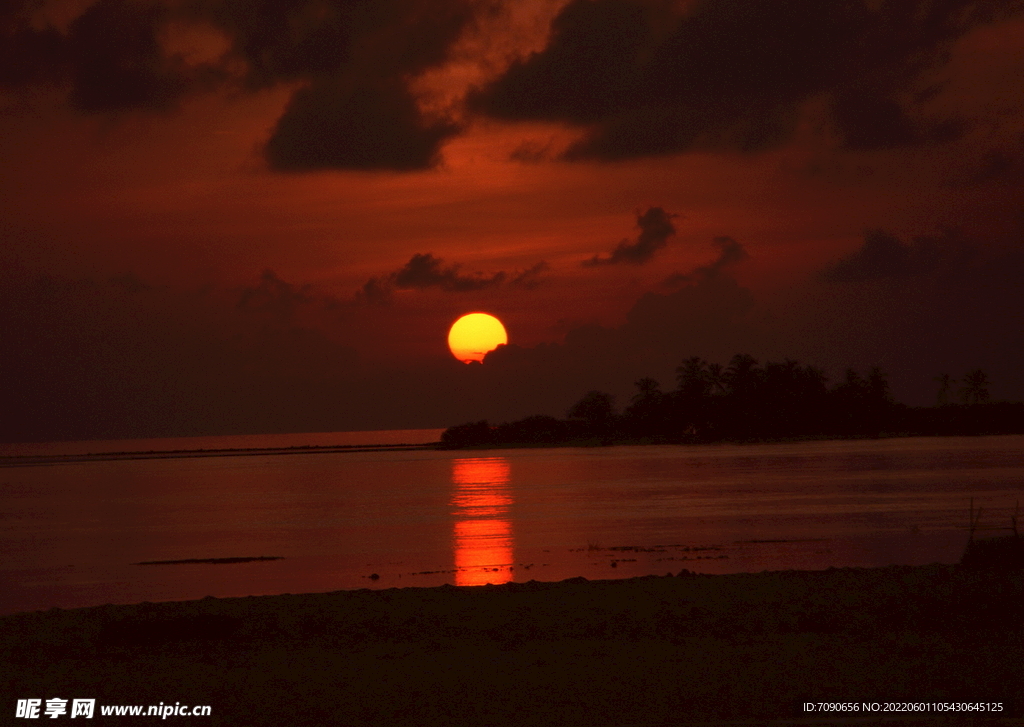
(710, 318)
(730, 253)
(110, 59)
(331, 125)
(275, 295)
(530, 278)
(884, 256)
(375, 291)
(533, 152)
(317, 43)
(655, 228)
(116, 62)
(27, 55)
(85, 359)
(643, 78)
(918, 309)
(354, 110)
(357, 111)
(283, 40)
(999, 166)
(733, 73)
(870, 120)
(425, 271)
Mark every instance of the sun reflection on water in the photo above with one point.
(482, 538)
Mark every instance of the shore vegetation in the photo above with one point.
(747, 401)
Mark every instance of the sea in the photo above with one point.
(78, 528)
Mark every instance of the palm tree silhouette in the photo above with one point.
(596, 408)
(692, 378)
(647, 388)
(945, 382)
(742, 375)
(976, 389)
(716, 378)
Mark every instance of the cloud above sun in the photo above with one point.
(425, 271)
(655, 228)
(635, 78)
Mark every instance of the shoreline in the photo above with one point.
(8, 461)
(642, 651)
(28, 460)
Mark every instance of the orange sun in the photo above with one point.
(474, 336)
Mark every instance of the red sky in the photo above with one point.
(196, 193)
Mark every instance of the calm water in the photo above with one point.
(73, 534)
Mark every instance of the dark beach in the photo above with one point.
(668, 650)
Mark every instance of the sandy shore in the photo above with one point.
(648, 651)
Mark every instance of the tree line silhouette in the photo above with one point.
(748, 401)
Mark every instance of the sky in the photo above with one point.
(259, 216)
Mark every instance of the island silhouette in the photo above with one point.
(747, 401)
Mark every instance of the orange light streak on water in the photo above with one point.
(482, 540)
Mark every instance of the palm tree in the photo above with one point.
(945, 382)
(742, 374)
(976, 389)
(647, 412)
(692, 398)
(692, 377)
(647, 388)
(878, 387)
(596, 408)
(716, 378)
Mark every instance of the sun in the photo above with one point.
(474, 336)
